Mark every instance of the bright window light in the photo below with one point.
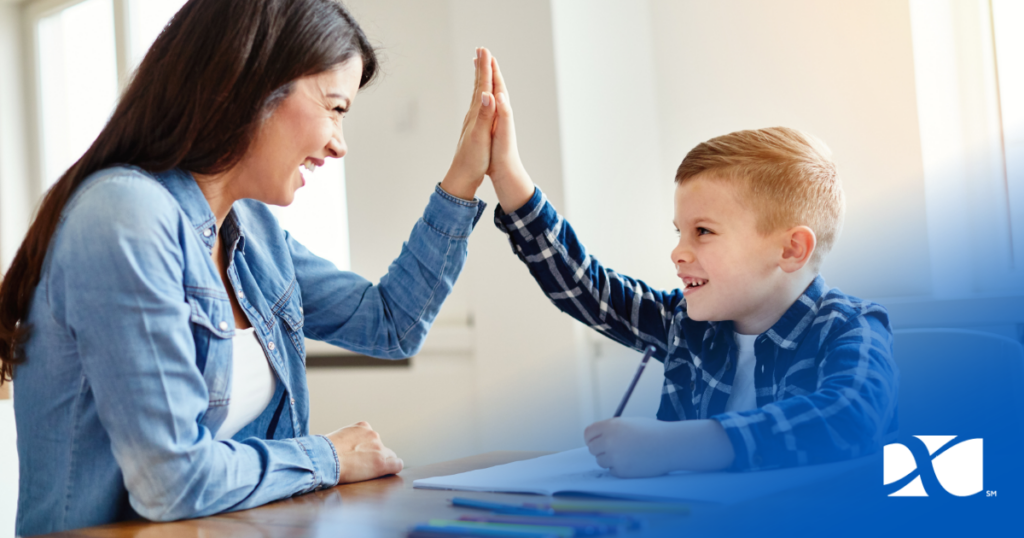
(77, 82)
(1008, 16)
(318, 218)
(146, 18)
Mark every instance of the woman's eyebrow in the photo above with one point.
(335, 95)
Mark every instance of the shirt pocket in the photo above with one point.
(289, 310)
(213, 327)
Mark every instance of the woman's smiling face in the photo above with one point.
(304, 129)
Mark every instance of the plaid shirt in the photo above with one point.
(824, 374)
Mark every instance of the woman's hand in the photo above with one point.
(639, 447)
(473, 154)
(361, 455)
(511, 182)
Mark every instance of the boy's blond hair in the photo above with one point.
(788, 178)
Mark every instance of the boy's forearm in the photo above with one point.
(514, 189)
(698, 445)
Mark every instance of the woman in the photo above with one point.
(156, 313)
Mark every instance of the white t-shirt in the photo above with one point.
(744, 396)
(252, 383)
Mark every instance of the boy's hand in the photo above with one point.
(473, 153)
(641, 447)
(511, 182)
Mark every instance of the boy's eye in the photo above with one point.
(340, 110)
(702, 231)
(676, 230)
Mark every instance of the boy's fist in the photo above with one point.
(641, 447)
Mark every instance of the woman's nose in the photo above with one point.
(336, 146)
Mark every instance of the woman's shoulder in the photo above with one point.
(121, 195)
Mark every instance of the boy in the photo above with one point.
(765, 366)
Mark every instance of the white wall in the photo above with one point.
(843, 71)
(14, 212)
(15, 191)
(8, 469)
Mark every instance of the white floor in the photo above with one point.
(8, 469)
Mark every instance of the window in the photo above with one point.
(146, 18)
(77, 73)
(1008, 43)
(969, 69)
(83, 48)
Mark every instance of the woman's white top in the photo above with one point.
(743, 396)
(252, 383)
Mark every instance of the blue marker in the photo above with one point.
(428, 531)
(643, 362)
(501, 508)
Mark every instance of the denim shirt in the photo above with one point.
(128, 371)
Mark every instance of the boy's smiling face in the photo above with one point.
(729, 271)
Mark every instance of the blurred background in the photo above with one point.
(921, 101)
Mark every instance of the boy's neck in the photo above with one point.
(775, 305)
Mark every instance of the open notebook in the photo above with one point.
(576, 472)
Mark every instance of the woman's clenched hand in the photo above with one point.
(361, 454)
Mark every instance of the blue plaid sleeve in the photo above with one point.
(623, 309)
(852, 411)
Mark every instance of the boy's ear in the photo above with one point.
(798, 246)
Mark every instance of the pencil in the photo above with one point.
(640, 369)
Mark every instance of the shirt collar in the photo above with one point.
(185, 190)
(789, 330)
(233, 231)
(183, 187)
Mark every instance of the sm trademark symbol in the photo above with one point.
(990, 493)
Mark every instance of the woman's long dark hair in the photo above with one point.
(217, 70)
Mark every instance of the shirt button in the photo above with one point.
(270, 346)
(223, 325)
(241, 295)
(207, 232)
(692, 385)
(293, 401)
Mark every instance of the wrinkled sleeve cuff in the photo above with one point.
(745, 444)
(523, 225)
(324, 457)
(452, 216)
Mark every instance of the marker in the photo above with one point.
(428, 531)
(581, 526)
(610, 507)
(550, 529)
(501, 508)
(639, 370)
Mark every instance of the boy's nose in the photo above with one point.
(681, 255)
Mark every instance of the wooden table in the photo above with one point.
(388, 507)
(383, 508)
